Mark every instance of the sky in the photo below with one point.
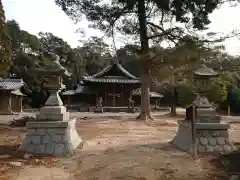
(44, 15)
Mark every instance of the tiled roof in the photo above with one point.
(119, 66)
(101, 77)
(11, 84)
(110, 80)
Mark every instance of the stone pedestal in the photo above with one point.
(57, 138)
(53, 113)
(98, 110)
(210, 137)
(53, 133)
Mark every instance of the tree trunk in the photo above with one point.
(173, 110)
(173, 103)
(145, 112)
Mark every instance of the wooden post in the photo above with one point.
(21, 103)
(229, 111)
(68, 100)
(105, 100)
(10, 104)
(114, 100)
(194, 133)
(122, 97)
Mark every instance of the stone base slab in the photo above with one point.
(211, 137)
(98, 110)
(53, 109)
(56, 138)
(53, 113)
(53, 117)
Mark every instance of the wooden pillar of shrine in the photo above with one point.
(10, 104)
(114, 97)
(105, 98)
(68, 100)
(21, 103)
(122, 99)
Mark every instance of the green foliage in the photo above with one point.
(185, 95)
(234, 99)
(217, 90)
(96, 55)
(129, 57)
(5, 45)
(105, 15)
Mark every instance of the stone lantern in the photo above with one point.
(204, 109)
(54, 109)
(211, 135)
(53, 132)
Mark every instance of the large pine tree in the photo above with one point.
(138, 18)
(5, 45)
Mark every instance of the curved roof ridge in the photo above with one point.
(102, 71)
(120, 67)
(124, 71)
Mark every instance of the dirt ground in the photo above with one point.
(114, 149)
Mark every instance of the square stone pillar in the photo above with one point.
(211, 135)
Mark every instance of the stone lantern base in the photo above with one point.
(211, 137)
(57, 138)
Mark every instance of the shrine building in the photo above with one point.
(114, 84)
(11, 96)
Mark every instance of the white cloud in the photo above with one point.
(43, 15)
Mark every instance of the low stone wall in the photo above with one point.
(56, 138)
(210, 137)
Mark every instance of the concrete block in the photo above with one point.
(57, 138)
(49, 149)
(59, 149)
(36, 140)
(46, 139)
(221, 141)
(60, 138)
(203, 140)
(212, 141)
(40, 149)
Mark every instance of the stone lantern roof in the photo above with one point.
(205, 71)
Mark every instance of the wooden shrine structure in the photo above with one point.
(11, 96)
(114, 85)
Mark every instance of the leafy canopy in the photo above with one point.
(123, 14)
(5, 45)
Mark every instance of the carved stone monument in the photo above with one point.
(53, 133)
(211, 134)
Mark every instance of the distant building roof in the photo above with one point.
(114, 73)
(111, 80)
(11, 84)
